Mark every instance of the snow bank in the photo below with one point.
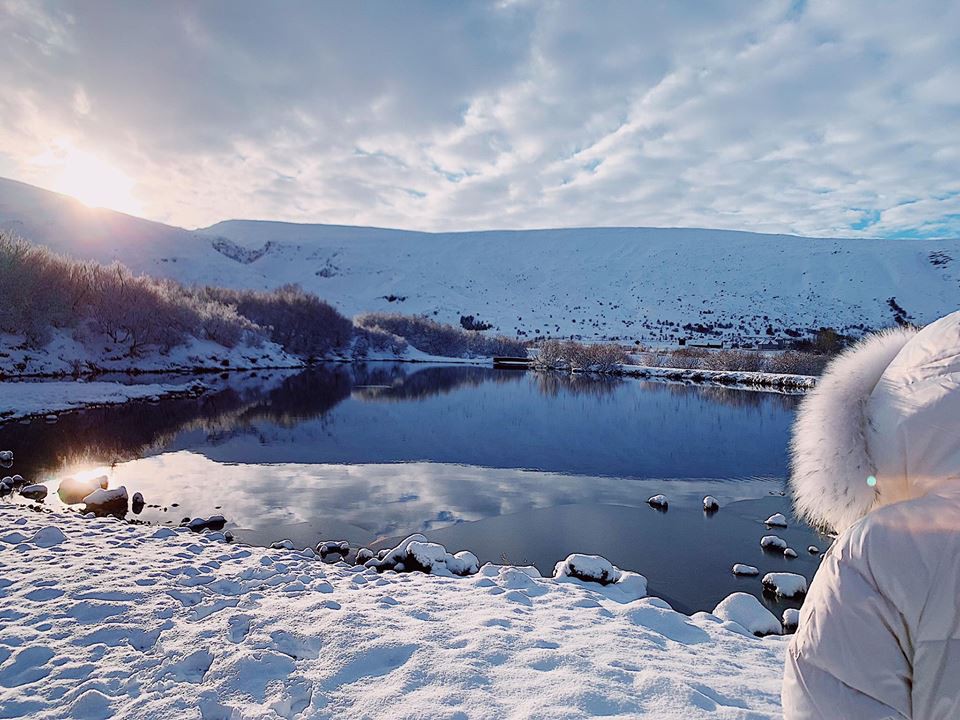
(620, 585)
(748, 612)
(724, 377)
(127, 621)
(23, 399)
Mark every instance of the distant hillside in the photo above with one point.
(627, 283)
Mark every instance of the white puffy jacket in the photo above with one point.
(876, 459)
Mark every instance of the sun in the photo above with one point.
(95, 183)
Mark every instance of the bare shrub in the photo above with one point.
(378, 340)
(737, 360)
(570, 355)
(797, 363)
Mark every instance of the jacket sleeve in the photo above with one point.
(850, 657)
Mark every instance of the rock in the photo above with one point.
(72, 490)
(364, 554)
(749, 613)
(18, 481)
(463, 563)
(776, 520)
(6, 455)
(789, 585)
(591, 568)
(285, 544)
(813, 550)
(51, 418)
(658, 501)
(791, 619)
(228, 536)
(329, 547)
(48, 537)
(137, 503)
(711, 504)
(789, 553)
(216, 522)
(197, 524)
(34, 492)
(745, 570)
(107, 501)
(773, 542)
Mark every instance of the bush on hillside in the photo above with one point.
(298, 321)
(434, 338)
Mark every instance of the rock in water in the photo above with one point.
(658, 501)
(773, 542)
(789, 553)
(776, 520)
(711, 504)
(789, 585)
(745, 570)
(137, 503)
(107, 501)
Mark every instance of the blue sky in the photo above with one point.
(815, 118)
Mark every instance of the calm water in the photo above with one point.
(516, 467)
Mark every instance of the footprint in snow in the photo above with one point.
(239, 627)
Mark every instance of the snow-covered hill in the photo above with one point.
(627, 283)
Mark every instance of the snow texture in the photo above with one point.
(129, 621)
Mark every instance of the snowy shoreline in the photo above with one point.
(723, 377)
(23, 400)
(104, 618)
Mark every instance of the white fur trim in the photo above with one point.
(829, 458)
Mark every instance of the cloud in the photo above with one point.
(815, 117)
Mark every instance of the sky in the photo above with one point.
(814, 118)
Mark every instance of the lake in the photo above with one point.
(515, 466)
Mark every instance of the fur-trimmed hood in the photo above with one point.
(887, 410)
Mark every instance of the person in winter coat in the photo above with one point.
(876, 460)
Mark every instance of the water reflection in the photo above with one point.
(483, 457)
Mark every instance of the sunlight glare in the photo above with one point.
(95, 183)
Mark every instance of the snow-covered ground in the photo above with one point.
(22, 399)
(634, 283)
(101, 619)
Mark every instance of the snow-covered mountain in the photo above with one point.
(627, 283)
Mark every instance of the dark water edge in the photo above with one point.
(516, 467)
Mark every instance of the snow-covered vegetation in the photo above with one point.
(576, 356)
(435, 338)
(72, 316)
(787, 362)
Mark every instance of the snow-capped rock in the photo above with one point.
(711, 504)
(789, 553)
(790, 585)
(6, 455)
(658, 501)
(364, 554)
(773, 542)
(340, 547)
(745, 570)
(776, 520)
(791, 619)
(417, 554)
(462, 563)
(749, 613)
(108, 500)
(591, 568)
(285, 544)
(813, 550)
(137, 502)
(598, 570)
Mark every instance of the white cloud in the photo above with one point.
(816, 118)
